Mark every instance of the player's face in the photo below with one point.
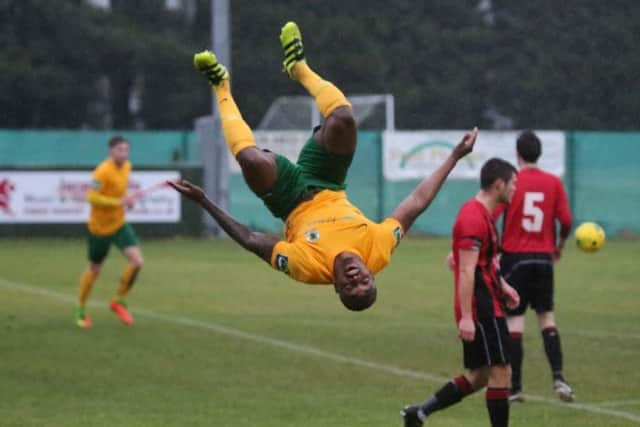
(353, 278)
(509, 189)
(119, 153)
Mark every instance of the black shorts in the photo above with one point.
(490, 346)
(532, 276)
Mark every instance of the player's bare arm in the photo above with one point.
(420, 199)
(261, 244)
(563, 215)
(468, 259)
(557, 253)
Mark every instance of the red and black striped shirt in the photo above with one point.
(474, 229)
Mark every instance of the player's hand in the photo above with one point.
(511, 297)
(466, 329)
(557, 252)
(188, 189)
(466, 145)
(451, 262)
(128, 202)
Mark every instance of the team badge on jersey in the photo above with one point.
(312, 235)
(282, 263)
(397, 235)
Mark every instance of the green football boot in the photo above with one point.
(291, 41)
(207, 63)
(82, 320)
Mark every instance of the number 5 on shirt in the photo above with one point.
(532, 215)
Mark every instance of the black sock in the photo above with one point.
(498, 406)
(517, 354)
(552, 347)
(451, 393)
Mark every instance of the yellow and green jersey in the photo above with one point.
(320, 229)
(109, 186)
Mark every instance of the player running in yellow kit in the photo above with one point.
(328, 240)
(107, 226)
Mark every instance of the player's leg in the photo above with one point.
(97, 250)
(449, 394)
(516, 324)
(258, 167)
(129, 243)
(497, 395)
(518, 275)
(498, 359)
(476, 361)
(338, 132)
(542, 302)
(553, 350)
(87, 279)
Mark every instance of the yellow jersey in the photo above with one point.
(109, 185)
(320, 229)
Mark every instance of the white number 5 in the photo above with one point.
(534, 223)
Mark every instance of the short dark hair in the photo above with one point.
(495, 169)
(355, 303)
(118, 139)
(528, 146)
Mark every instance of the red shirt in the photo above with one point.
(530, 219)
(474, 229)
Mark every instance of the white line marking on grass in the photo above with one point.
(587, 407)
(614, 403)
(304, 349)
(601, 334)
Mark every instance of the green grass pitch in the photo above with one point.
(221, 340)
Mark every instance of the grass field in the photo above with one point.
(220, 340)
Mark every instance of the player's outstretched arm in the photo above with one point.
(260, 244)
(420, 199)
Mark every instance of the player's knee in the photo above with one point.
(134, 257)
(546, 320)
(257, 162)
(478, 378)
(500, 376)
(251, 159)
(138, 262)
(258, 168)
(342, 120)
(95, 267)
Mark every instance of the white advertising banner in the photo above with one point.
(416, 154)
(60, 197)
(288, 143)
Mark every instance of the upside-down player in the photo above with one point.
(107, 226)
(478, 296)
(328, 240)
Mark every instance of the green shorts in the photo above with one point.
(316, 168)
(98, 246)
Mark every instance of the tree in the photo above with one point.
(450, 64)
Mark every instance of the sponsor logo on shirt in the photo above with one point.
(312, 235)
(282, 263)
(397, 235)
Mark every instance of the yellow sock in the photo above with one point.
(87, 280)
(236, 131)
(127, 278)
(328, 97)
